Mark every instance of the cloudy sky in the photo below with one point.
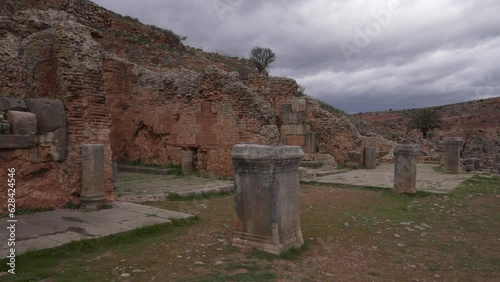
(358, 55)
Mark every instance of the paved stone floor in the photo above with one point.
(50, 229)
(140, 187)
(383, 176)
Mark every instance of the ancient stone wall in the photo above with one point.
(157, 115)
(50, 57)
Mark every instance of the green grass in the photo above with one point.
(438, 168)
(73, 257)
(250, 276)
(478, 184)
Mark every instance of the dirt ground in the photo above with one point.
(351, 235)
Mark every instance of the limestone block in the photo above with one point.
(370, 157)
(267, 197)
(53, 145)
(59, 150)
(4, 127)
(8, 104)
(287, 113)
(296, 140)
(92, 194)
(46, 137)
(49, 112)
(282, 139)
(405, 168)
(295, 129)
(312, 142)
(299, 105)
(298, 118)
(326, 159)
(22, 122)
(11, 141)
(322, 148)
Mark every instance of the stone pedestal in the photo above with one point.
(187, 162)
(370, 158)
(92, 175)
(267, 197)
(452, 159)
(405, 168)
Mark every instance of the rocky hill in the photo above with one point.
(478, 122)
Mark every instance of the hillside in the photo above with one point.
(478, 122)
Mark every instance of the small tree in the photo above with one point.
(424, 120)
(262, 57)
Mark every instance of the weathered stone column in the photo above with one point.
(187, 162)
(452, 160)
(370, 157)
(405, 168)
(92, 175)
(267, 197)
(477, 163)
(312, 142)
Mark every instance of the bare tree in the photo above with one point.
(262, 57)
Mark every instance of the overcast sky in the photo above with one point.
(358, 55)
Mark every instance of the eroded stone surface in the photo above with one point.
(92, 175)
(49, 112)
(11, 141)
(24, 123)
(405, 168)
(8, 103)
(452, 157)
(370, 157)
(267, 197)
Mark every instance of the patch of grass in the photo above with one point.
(250, 276)
(42, 264)
(478, 184)
(72, 206)
(296, 252)
(438, 168)
(175, 170)
(479, 263)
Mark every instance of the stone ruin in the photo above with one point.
(405, 168)
(267, 197)
(139, 108)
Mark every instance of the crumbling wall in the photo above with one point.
(50, 56)
(157, 115)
